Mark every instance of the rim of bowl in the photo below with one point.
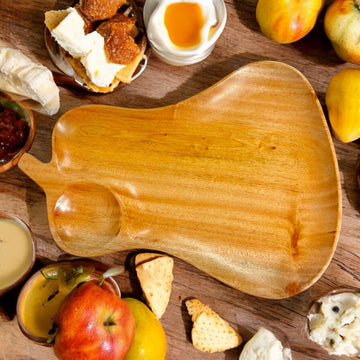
(98, 267)
(24, 110)
(33, 245)
(315, 305)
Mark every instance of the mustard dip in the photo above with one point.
(16, 251)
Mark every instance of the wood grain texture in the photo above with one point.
(21, 24)
(217, 180)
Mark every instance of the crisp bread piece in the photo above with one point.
(155, 277)
(210, 333)
(195, 307)
(54, 17)
(146, 256)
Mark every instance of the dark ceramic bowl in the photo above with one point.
(9, 157)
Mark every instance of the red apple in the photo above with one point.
(93, 324)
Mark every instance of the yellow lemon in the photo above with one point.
(150, 339)
(343, 104)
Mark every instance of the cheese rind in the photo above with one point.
(21, 76)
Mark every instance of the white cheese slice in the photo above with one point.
(98, 68)
(70, 35)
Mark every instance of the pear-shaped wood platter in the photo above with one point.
(240, 181)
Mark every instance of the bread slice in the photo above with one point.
(155, 274)
(210, 333)
(127, 74)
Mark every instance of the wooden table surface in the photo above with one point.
(21, 24)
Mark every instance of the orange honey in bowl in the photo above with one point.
(184, 22)
(183, 32)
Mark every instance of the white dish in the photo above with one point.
(187, 57)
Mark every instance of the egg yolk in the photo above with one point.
(184, 21)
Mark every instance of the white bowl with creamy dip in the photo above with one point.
(17, 252)
(184, 32)
(334, 322)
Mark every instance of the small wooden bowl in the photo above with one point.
(38, 281)
(24, 266)
(7, 102)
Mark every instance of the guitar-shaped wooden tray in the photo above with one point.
(240, 181)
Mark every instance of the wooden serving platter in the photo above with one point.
(240, 181)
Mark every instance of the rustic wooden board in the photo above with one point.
(217, 180)
(21, 24)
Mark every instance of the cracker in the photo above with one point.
(210, 333)
(195, 307)
(155, 277)
(146, 256)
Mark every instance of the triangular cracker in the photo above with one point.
(156, 276)
(195, 307)
(210, 333)
(144, 257)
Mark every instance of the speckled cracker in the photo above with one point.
(144, 257)
(156, 276)
(210, 333)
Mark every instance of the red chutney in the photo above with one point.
(14, 131)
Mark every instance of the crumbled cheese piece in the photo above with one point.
(337, 325)
(98, 68)
(70, 34)
(265, 346)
